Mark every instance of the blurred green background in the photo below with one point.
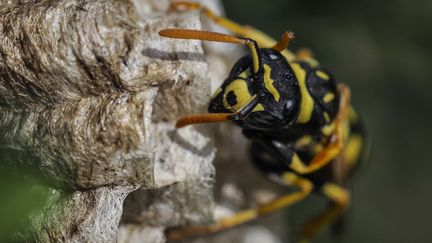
(19, 197)
(383, 51)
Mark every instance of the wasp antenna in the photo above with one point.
(201, 35)
(218, 37)
(284, 42)
(203, 118)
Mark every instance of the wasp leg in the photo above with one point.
(336, 144)
(355, 142)
(219, 117)
(262, 39)
(340, 200)
(303, 184)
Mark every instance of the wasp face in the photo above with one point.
(276, 87)
(235, 91)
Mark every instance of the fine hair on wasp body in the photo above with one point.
(303, 129)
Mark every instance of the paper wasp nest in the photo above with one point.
(89, 93)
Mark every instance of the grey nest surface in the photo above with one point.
(89, 93)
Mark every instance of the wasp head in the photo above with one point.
(275, 87)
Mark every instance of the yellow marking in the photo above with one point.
(297, 164)
(322, 75)
(328, 129)
(288, 55)
(353, 149)
(326, 116)
(268, 82)
(307, 103)
(245, 74)
(305, 140)
(328, 97)
(259, 107)
(336, 193)
(241, 91)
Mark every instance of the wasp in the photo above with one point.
(304, 132)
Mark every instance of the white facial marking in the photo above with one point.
(289, 104)
(273, 57)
